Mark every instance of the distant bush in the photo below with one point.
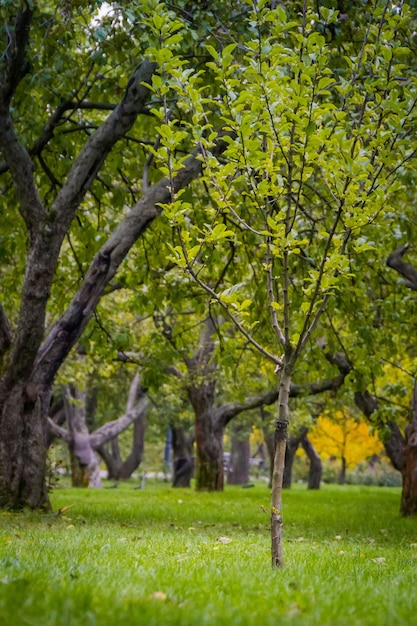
(378, 474)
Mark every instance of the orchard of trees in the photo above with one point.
(205, 209)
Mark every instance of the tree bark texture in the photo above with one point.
(23, 450)
(281, 436)
(85, 471)
(290, 450)
(409, 490)
(209, 439)
(183, 463)
(316, 466)
(238, 470)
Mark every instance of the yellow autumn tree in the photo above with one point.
(341, 436)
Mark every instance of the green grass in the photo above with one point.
(152, 557)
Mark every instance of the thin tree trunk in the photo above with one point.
(316, 466)
(269, 442)
(277, 551)
(342, 474)
(183, 465)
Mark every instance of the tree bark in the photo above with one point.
(83, 445)
(290, 450)
(22, 450)
(209, 439)
(238, 470)
(409, 490)
(85, 471)
(316, 466)
(33, 358)
(183, 464)
(342, 474)
(277, 552)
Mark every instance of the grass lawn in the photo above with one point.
(175, 557)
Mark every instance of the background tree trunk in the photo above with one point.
(183, 464)
(342, 474)
(238, 470)
(409, 491)
(316, 466)
(85, 471)
(292, 447)
(209, 440)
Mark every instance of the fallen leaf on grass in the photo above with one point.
(379, 559)
(63, 509)
(294, 609)
(159, 595)
(224, 539)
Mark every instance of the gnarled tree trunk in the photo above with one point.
(83, 445)
(23, 448)
(85, 470)
(209, 439)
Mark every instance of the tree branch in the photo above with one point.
(407, 271)
(395, 444)
(98, 146)
(58, 431)
(55, 119)
(114, 428)
(69, 327)
(227, 412)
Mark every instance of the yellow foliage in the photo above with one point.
(256, 436)
(341, 436)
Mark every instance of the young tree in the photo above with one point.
(317, 147)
